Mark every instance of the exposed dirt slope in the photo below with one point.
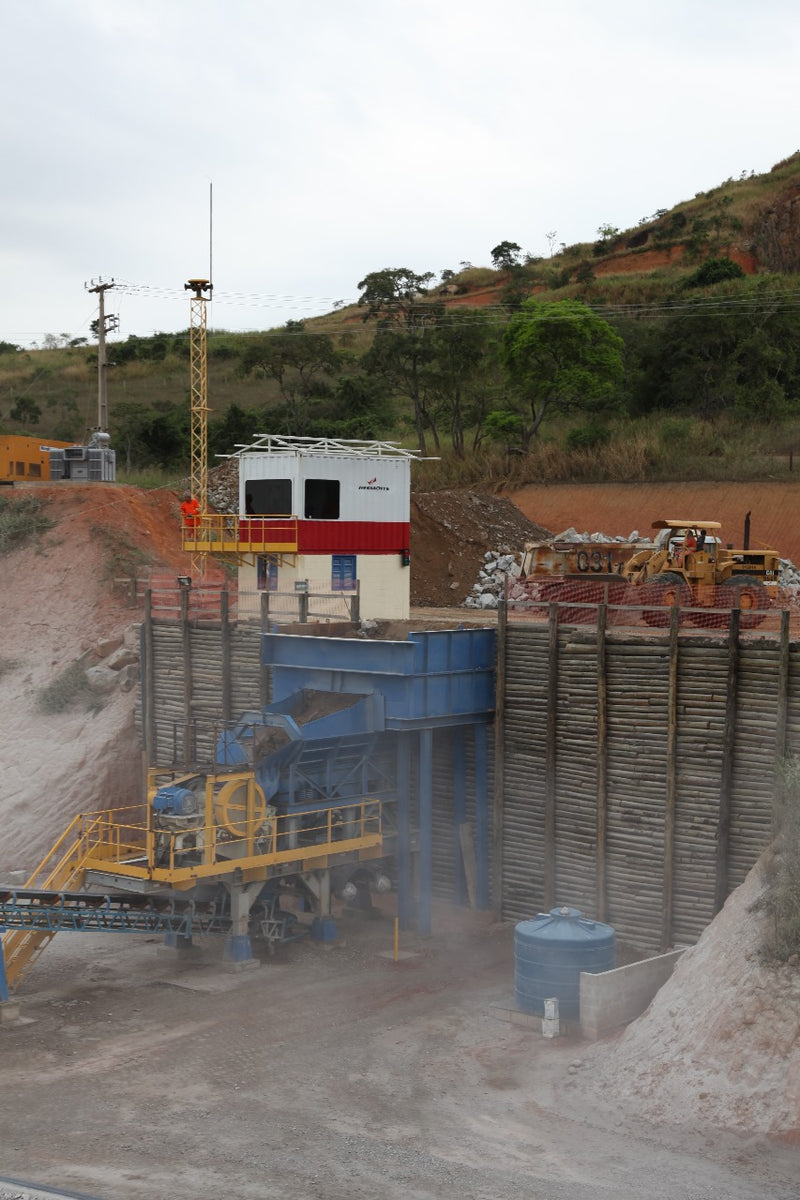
(451, 532)
(621, 508)
(59, 604)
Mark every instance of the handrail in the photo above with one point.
(104, 844)
(277, 532)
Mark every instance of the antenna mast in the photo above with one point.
(198, 376)
(201, 290)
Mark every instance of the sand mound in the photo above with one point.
(721, 1041)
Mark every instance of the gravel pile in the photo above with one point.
(223, 486)
(490, 586)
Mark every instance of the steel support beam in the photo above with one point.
(481, 737)
(459, 812)
(404, 905)
(425, 792)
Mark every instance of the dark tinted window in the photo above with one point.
(322, 499)
(268, 497)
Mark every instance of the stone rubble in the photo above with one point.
(499, 567)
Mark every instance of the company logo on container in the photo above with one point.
(372, 486)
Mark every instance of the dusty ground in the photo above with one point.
(331, 1072)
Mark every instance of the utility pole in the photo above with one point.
(104, 324)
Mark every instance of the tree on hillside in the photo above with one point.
(303, 366)
(397, 358)
(361, 408)
(458, 374)
(505, 255)
(397, 298)
(156, 435)
(26, 411)
(714, 270)
(393, 292)
(560, 357)
(236, 427)
(709, 362)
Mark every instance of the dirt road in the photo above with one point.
(333, 1073)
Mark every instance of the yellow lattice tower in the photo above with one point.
(198, 373)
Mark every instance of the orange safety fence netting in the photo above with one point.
(577, 602)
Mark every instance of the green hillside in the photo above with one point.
(673, 356)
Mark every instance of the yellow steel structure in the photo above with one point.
(62, 869)
(198, 383)
(236, 836)
(228, 533)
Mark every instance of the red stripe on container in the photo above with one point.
(352, 537)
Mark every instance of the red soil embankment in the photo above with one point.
(619, 508)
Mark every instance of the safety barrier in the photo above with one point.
(135, 843)
(578, 601)
(63, 867)
(207, 603)
(228, 533)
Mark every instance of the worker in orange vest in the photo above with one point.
(190, 511)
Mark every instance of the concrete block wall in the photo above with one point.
(614, 998)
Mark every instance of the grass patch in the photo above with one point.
(68, 690)
(149, 478)
(122, 558)
(22, 520)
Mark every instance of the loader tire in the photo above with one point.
(749, 595)
(662, 591)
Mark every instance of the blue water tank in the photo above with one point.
(549, 954)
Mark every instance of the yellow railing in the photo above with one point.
(180, 857)
(129, 843)
(228, 533)
(62, 869)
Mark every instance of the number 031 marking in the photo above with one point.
(594, 560)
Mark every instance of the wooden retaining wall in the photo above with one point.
(637, 774)
(634, 775)
(197, 677)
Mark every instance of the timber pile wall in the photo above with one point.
(636, 775)
(196, 679)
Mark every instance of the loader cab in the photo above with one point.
(679, 538)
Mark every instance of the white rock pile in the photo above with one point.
(572, 535)
(490, 586)
(790, 574)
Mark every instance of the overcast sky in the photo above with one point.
(343, 136)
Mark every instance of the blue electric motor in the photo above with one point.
(175, 801)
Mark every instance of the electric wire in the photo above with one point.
(762, 303)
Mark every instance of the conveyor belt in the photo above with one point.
(84, 912)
